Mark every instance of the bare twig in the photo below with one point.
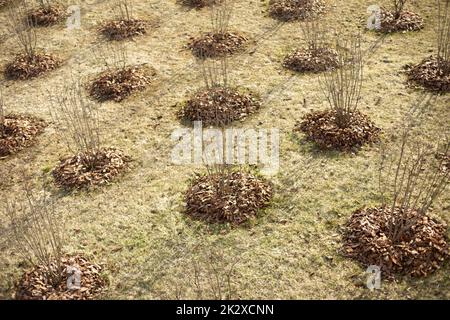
(218, 270)
(123, 9)
(443, 40)
(38, 232)
(214, 72)
(221, 12)
(398, 7)
(342, 86)
(410, 175)
(315, 34)
(113, 56)
(77, 116)
(21, 26)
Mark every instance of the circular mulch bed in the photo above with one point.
(320, 127)
(19, 132)
(47, 16)
(124, 29)
(420, 252)
(233, 197)
(119, 84)
(428, 75)
(213, 45)
(219, 106)
(89, 169)
(34, 286)
(197, 3)
(24, 67)
(407, 21)
(289, 10)
(308, 60)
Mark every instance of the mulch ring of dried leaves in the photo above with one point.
(123, 29)
(429, 75)
(311, 60)
(120, 83)
(34, 286)
(212, 45)
(219, 106)
(47, 16)
(19, 132)
(24, 67)
(407, 21)
(421, 251)
(288, 10)
(233, 197)
(197, 3)
(87, 169)
(320, 127)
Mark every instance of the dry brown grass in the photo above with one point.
(290, 252)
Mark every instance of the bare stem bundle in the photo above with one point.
(21, 26)
(215, 76)
(410, 175)
(220, 16)
(214, 72)
(38, 233)
(78, 118)
(398, 7)
(342, 86)
(220, 168)
(315, 34)
(114, 56)
(218, 270)
(123, 9)
(443, 39)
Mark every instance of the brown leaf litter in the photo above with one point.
(124, 29)
(429, 75)
(93, 168)
(25, 67)
(34, 284)
(289, 10)
(212, 45)
(421, 250)
(120, 83)
(321, 128)
(312, 60)
(233, 197)
(19, 132)
(407, 21)
(47, 15)
(219, 106)
(197, 3)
